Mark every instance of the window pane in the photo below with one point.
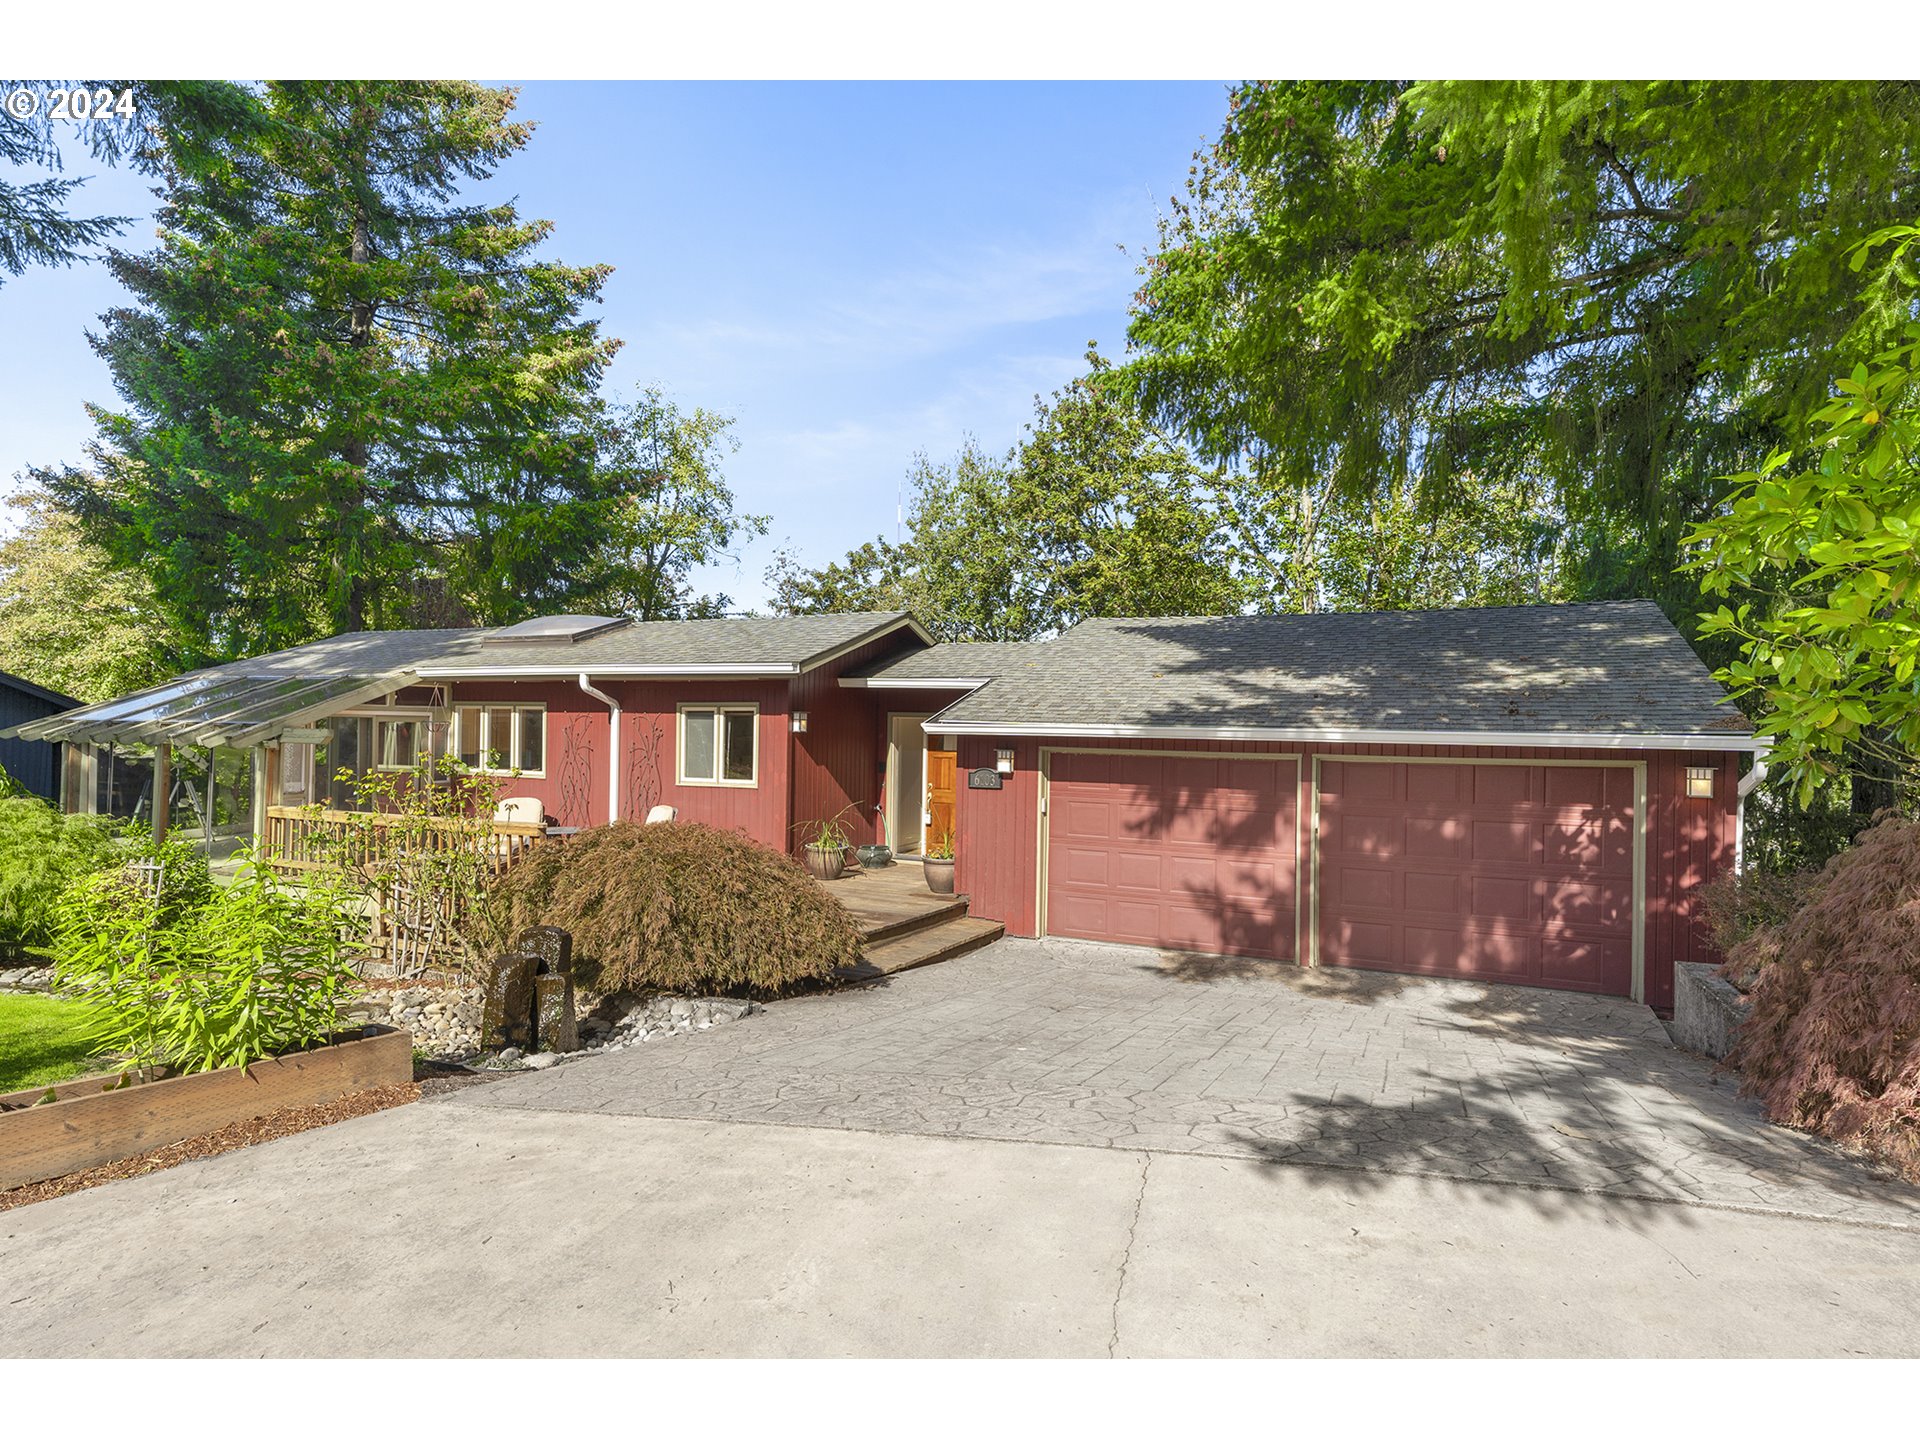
(469, 728)
(739, 756)
(696, 759)
(499, 738)
(396, 740)
(533, 740)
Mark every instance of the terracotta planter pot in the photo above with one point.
(90, 1126)
(825, 864)
(939, 876)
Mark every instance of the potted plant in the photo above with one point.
(938, 865)
(825, 845)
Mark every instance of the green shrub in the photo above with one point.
(213, 977)
(683, 908)
(42, 853)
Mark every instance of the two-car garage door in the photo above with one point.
(1514, 872)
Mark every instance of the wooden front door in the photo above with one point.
(940, 773)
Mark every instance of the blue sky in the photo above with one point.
(854, 272)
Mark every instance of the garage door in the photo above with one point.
(1175, 851)
(1517, 873)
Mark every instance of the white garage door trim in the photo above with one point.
(1640, 822)
(1044, 822)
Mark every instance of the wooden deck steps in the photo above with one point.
(922, 945)
(903, 925)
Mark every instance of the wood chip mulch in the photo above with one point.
(236, 1136)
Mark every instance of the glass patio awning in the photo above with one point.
(215, 708)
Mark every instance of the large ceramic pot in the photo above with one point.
(874, 857)
(939, 876)
(825, 863)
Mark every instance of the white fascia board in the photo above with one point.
(1459, 738)
(853, 682)
(606, 672)
(906, 622)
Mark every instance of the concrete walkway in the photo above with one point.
(1107, 1046)
(448, 1229)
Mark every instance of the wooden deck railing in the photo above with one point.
(299, 838)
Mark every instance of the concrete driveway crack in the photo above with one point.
(1126, 1255)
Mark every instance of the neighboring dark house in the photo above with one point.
(34, 763)
(1532, 794)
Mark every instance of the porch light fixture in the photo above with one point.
(1003, 761)
(799, 722)
(1699, 782)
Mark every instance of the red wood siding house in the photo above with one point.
(1531, 795)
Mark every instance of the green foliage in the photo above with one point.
(69, 619)
(1824, 561)
(42, 853)
(673, 509)
(160, 123)
(423, 836)
(1624, 291)
(833, 833)
(683, 908)
(1098, 513)
(941, 846)
(1833, 1040)
(352, 398)
(254, 969)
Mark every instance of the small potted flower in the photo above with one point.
(938, 865)
(825, 847)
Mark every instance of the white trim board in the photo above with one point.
(1456, 738)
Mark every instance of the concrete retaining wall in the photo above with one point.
(1706, 1010)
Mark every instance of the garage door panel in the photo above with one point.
(1199, 851)
(1081, 866)
(1528, 877)
(1435, 837)
(1421, 890)
(1506, 840)
(1498, 897)
(1502, 785)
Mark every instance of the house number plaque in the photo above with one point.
(985, 778)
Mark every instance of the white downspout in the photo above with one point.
(1747, 783)
(613, 745)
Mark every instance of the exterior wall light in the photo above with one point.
(799, 722)
(1699, 782)
(1003, 761)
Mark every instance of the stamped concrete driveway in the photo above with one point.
(1070, 1043)
(1040, 1149)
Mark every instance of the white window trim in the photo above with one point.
(719, 708)
(423, 739)
(510, 751)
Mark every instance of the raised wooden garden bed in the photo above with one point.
(89, 1126)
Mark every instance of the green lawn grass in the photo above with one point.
(42, 1041)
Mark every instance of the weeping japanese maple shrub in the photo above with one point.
(683, 908)
(1833, 1042)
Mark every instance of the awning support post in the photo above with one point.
(162, 789)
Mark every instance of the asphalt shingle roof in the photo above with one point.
(778, 640)
(959, 660)
(1616, 668)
